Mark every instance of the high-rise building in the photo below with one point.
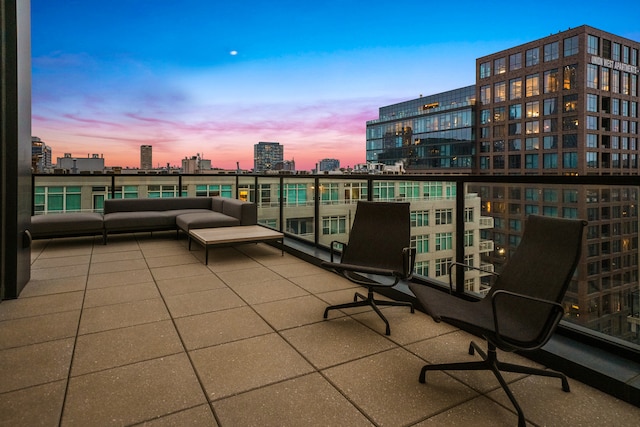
(566, 104)
(328, 165)
(429, 134)
(266, 155)
(40, 156)
(146, 159)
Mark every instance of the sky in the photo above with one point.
(214, 77)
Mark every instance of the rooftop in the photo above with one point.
(140, 331)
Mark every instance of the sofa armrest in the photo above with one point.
(246, 212)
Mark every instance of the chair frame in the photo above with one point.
(360, 300)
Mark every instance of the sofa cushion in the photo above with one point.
(66, 223)
(205, 220)
(137, 220)
(176, 212)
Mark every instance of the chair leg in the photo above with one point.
(371, 301)
(490, 362)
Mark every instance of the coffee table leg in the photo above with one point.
(206, 254)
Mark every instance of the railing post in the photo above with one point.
(281, 203)
(316, 210)
(460, 214)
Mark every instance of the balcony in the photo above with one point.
(141, 331)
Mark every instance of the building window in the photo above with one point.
(515, 145)
(295, 194)
(592, 76)
(605, 79)
(532, 127)
(615, 51)
(550, 142)
(592, 141)
(615, 81)
(592, 159)
(499, 114)
(329, 193)
(442, 266)
(409, 190)
(500, 92)
(444, 216)
(515, 89)
(383, 191)
(550, 160)
(570, 103)
(551, 82)
(532, 109)
(551, 52)
(214, 190)
(550, 106)
(515, 61)
(571, 46)
(515, 112)
(468, 214)
(57, 199)
(420, 243)
(334, 224)
(592, 123)
(515, 161)
(468, 238)
(499, 66)
(532, 57)
(592, 103)
(444, 241)
(485, 94)
(531, 144)
(531, 161)
(515, 129)
(532, 85)
(550, 125)
(593, 45)
(570, 140)
(570, 160)
(485, 70)
(419, 218)
(569, 77)
(485, 117)
(422, 268)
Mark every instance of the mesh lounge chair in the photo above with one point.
(378, 246)
(522, 309)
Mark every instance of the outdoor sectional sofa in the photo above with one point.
(134, 215)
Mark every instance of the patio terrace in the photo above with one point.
(140, 331)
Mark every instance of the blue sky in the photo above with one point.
(215, 78)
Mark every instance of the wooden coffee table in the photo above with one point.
(236, 234)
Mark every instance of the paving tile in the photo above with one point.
(117, 243)
(335, 341)
(37, 329)
(114, 266)
(120, 294)
(219, 327)
(196, 417)
(206, 282)
(61, 261)
(57, 248)
(310, 401)
(122, 346)
(119, 278)
(38, 405)
(202, 302)
(35, 364)
(406, 327)
(151, 252)
(544, 403)
(273, 290)
(385, 386)
(46, 286)
(114, 316)
(478, 412)
(249, 276)
(170, 260)
(132, 393)
(116, 256)
(296, 269)
(38, 305)
(243, 365)
(292, 312)
(324, 281)
(59, 272)
(179, 271)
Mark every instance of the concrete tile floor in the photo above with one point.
(140, 331)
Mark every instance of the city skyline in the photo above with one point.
(216, 79)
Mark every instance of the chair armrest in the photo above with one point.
(550, 325)
(466, 266)
(333, 250)
(409, 257)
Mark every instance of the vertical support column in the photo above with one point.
(15, 151)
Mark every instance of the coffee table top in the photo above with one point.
(233, 234)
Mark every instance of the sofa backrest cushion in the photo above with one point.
(163, 204)
(246, 212)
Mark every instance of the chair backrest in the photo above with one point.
(380, 231)
(541, 267)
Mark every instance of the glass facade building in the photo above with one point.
(433, 133)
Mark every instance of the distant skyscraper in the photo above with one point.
(146, 161)
(40, 155)
(329, 165)
(266, 155)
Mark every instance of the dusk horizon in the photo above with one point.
(215, 79)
